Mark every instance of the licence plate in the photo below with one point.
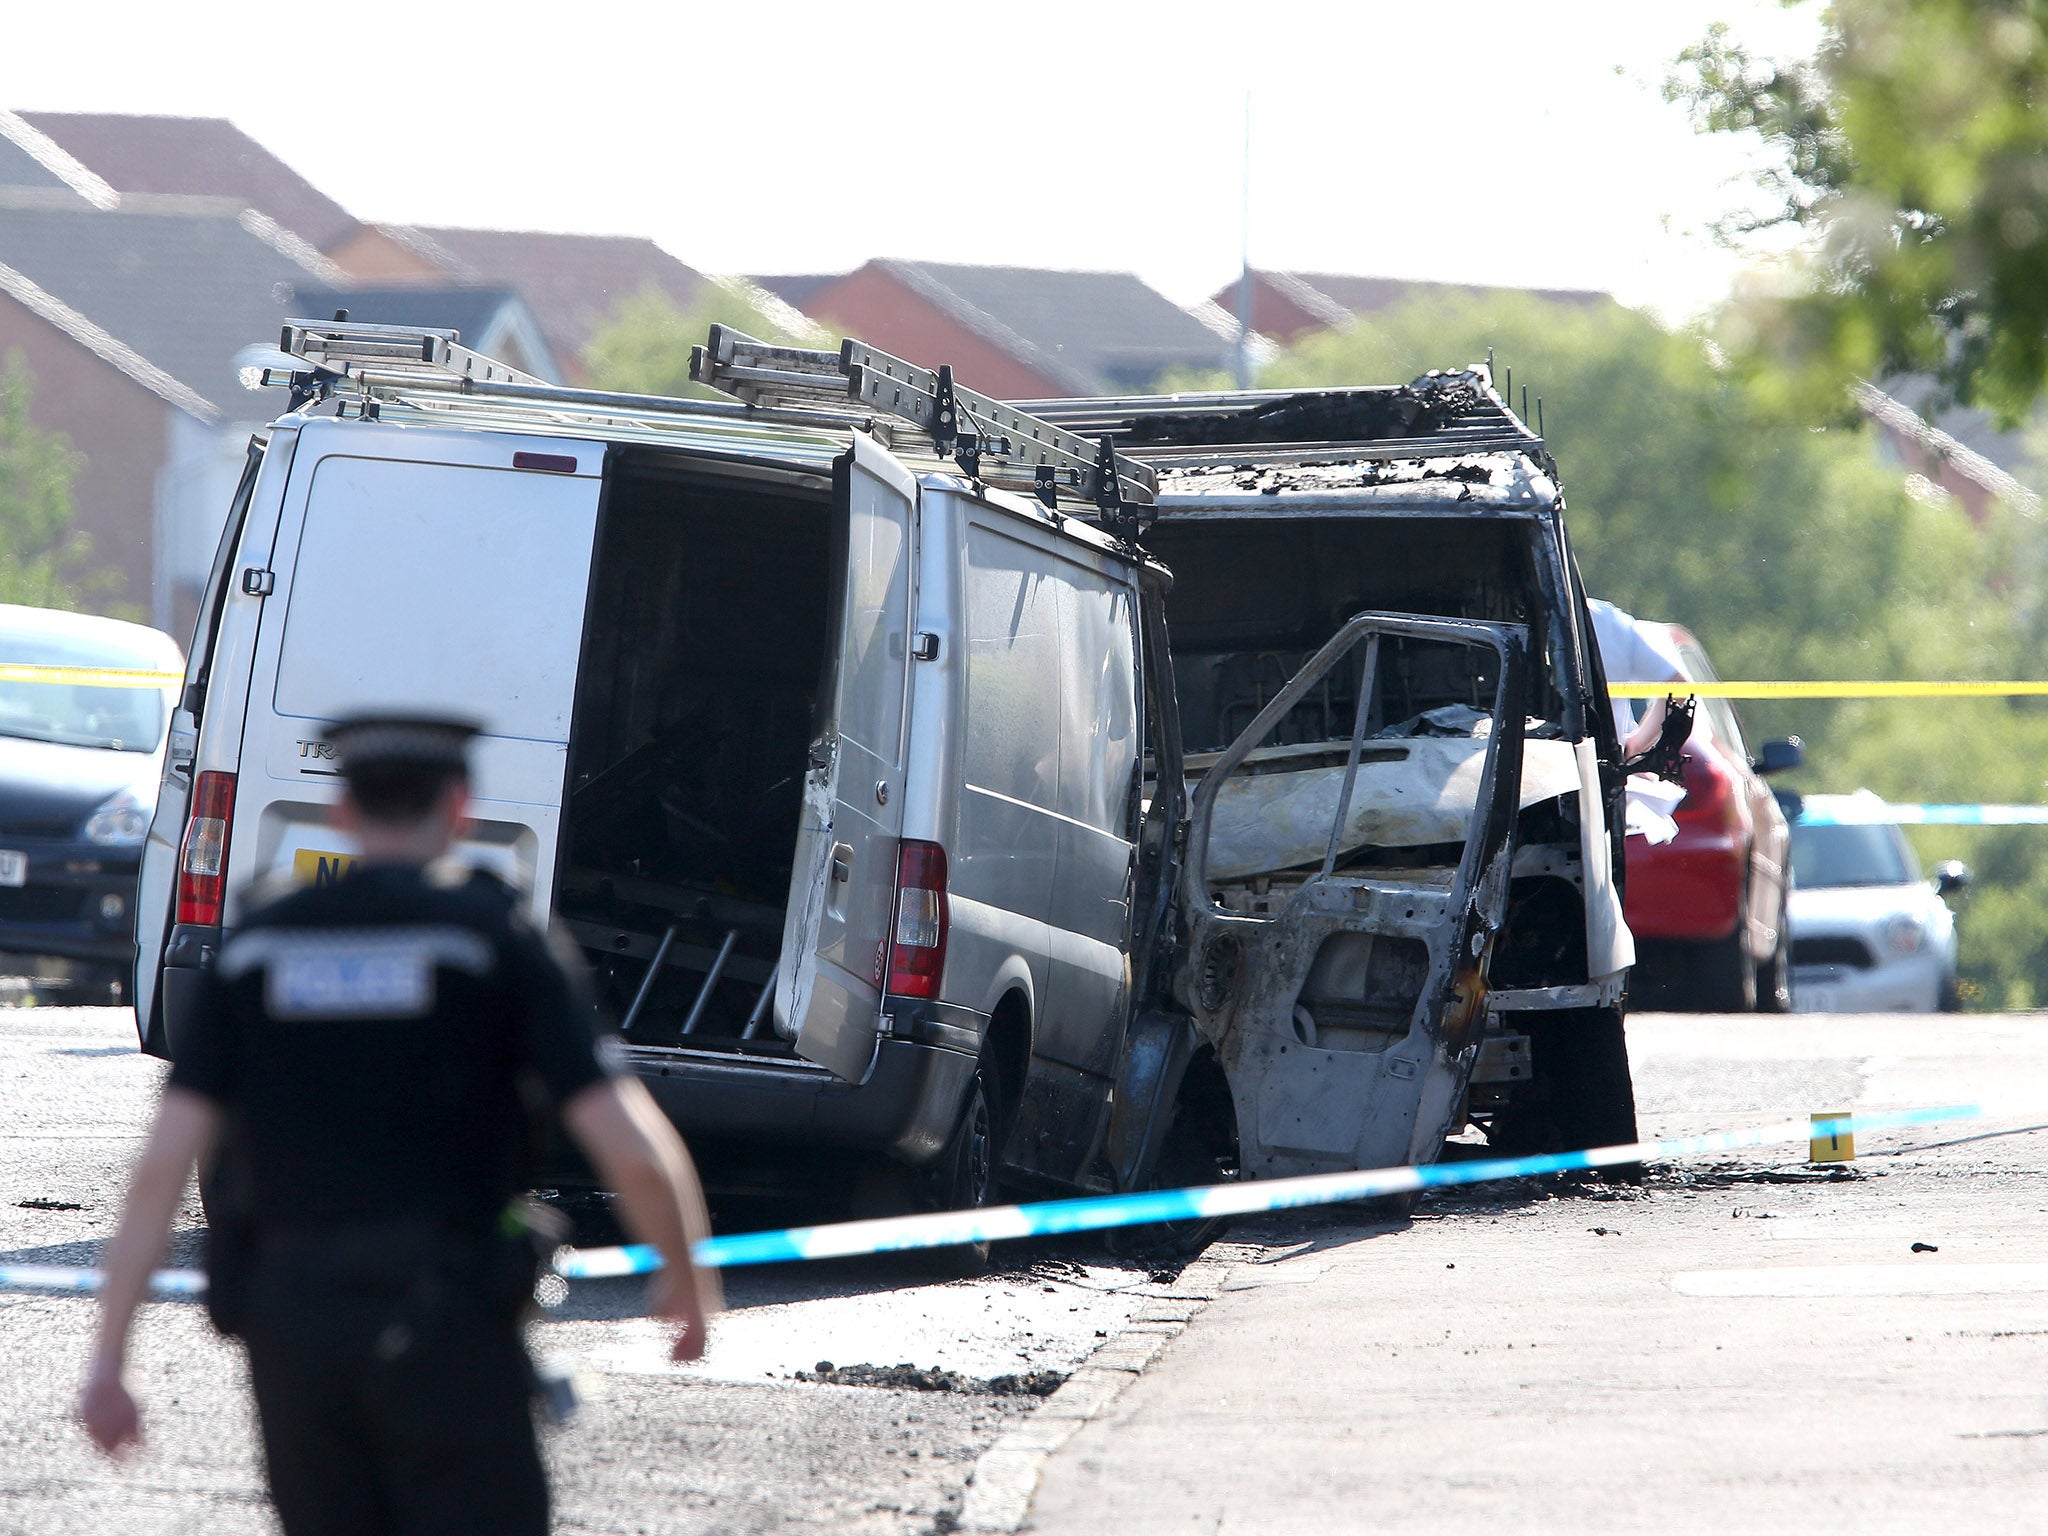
(13, 867)
(316, 866)
(1816, 997)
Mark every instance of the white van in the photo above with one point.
(826, 755)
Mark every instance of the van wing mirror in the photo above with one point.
(1781, 756)
(1951, 878)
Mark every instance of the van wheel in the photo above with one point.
(965, 1176)
(1580, 1094)
(1200, 1148)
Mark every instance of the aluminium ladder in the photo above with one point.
(859, 387)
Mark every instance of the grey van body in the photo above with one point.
(744, 673)
(1399, 911)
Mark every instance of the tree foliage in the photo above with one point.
(1911, 158)
(42, 556)
(1792, 552)
(644, 348)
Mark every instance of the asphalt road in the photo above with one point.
(1346, 1376)
(733, 1444)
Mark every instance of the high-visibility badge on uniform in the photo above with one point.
(357, 981)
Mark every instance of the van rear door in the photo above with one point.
(420, 571)
(157, 880)
(842, 892)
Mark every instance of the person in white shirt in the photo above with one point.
(1633, 650)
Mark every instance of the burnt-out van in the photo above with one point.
(824, 748)
(1399, 912)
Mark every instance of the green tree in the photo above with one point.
(1911, 165)
(1792, 552)
(644, 349)
(42, 556)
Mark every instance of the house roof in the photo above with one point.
(796, 289)
(194, 156)
(1965, 425)
(1333, 299)
(1089, 330)
(1915, 407)
(168, 293)
(470, 310)
(31, 159)
(573, 283)
(1361, 295)
(19, 168)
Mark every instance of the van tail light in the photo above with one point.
(1709, 790)
(919, 951)
(203, 856)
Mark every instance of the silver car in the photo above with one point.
(1869, 934)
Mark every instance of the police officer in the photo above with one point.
(366, 1058)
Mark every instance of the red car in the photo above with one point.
(1708, 908)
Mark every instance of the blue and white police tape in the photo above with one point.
(1881, 813)
(897, 1234)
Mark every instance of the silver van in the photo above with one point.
(824, 749)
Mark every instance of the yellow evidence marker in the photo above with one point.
(1836, 1143)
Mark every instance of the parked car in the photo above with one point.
(1708, 908)
(1869, 934)
(79, 764)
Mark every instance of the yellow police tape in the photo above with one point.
(124, 677)
(1838, 690)
(89, 677)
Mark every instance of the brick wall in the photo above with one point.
(118, 427)
(873, 306)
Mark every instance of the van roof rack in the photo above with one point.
(1440, 415)
(990, 439)
(789, 386)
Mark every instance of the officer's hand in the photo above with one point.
(107, 1410)
(681, 1297)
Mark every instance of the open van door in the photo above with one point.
(842, 893)
(158, 876)
(1347, 871)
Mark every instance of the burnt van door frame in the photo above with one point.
(842, 892)
(1454, 994)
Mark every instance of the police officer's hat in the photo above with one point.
(388, 744)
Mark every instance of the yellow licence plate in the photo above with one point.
(312, 866)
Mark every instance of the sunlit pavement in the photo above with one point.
(1744, 1344)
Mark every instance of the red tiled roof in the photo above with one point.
(195, 156)
(573, 283)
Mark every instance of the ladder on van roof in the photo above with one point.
(989, 439)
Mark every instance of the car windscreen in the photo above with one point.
(1836, 856)
(80, 714)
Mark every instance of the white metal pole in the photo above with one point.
(1244, 264)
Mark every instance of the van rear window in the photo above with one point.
(439, 587)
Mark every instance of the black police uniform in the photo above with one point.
(379, 1047)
